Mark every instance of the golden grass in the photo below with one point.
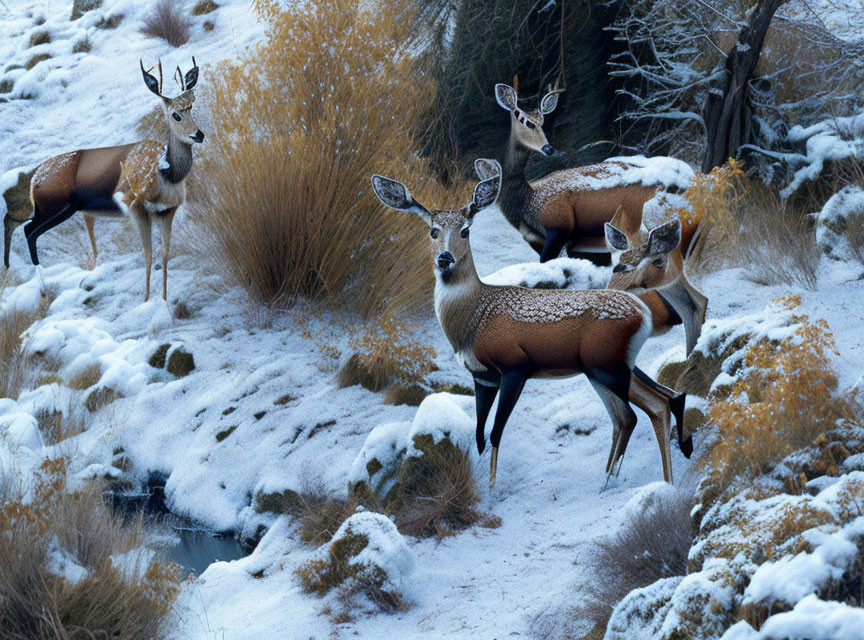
(745, 223)
(785, 399)
(107, 602)
(18, 369)
(283, 200)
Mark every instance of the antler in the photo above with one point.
(178, 76)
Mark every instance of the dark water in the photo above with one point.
(195, 548)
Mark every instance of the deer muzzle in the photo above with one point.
(548, 149)
(445, 262)
(198, 136)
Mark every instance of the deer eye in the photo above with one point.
(433, 232)
(464, 232)
(530, 124)
(659, 262)
(176, 116)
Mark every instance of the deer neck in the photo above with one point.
(515, 190)
(457, 296)
(178, 160)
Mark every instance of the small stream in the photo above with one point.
(195, 548)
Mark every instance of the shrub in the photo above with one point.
(83, 46)
(39, 37)
(746, 223)
(203, 7)
(36, 59)
(318, 513)
(652, 543)
(86, 378)
(57, 425)
(385, 354)
(69, 568)
(366, 557)
(283, 198)
(167, 21)
(19, 370)
(784, 399)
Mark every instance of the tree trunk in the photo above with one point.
(727, 113)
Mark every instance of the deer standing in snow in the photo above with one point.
(571, 208)
(144, 179)
(506, 335)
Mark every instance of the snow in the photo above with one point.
(790, 579)
(59, 562)
(815, 619)
(483, 582)
(831, 222)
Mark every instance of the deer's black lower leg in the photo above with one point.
(485, 390)
(616, 379)
(39, 225)
(677, 403)
(555, 241)
(512, 383)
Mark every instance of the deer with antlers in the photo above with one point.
(505, 335)
(571, 208)
(143, 179)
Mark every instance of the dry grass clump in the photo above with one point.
(386, 353)
(203, 7)
(438, 492)
(84, 45)
(318, 513)
(36, 59)
(57, 425)
(746, 223)
(284, 200)
(18, 370)
(85, 378)
(650, 545)
(105, 600)
(39, 37)
(786, 397)
(167, 21)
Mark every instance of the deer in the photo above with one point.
(506, 335)
(640, 264)
(571, 207)
(144, 180)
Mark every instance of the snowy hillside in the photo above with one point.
(261, 412)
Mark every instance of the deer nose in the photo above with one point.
(198, 136)
(548, 149)
(619, 268)
(445, 261)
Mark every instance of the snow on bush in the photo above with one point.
(441, 416)
(367, 555)
(840, 225)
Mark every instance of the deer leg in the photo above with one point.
(613, 386)
(677, 403)
(164, 220)
(9, 226)
(142, 220)
(36, 227)
(656, 405)
(88, 222)
(555, 241)
(485, 390)
(512, 383)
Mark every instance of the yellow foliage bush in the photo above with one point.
(784, 399)
(283, 196)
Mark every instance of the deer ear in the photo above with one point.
(190, 79)
(150, 81)
(506, 96)
(485, 193)
(395, 195)
(486, 168)
(615, 237)
(549, 102)
(664, 238)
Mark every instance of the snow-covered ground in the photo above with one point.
(487, 583)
